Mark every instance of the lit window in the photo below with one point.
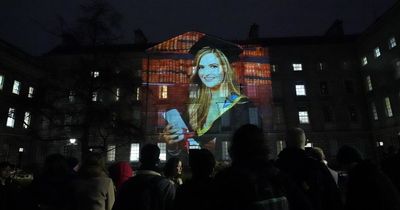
(193, 91)
(321, 66)
(163, 92)
(117, 94)
(95, 74)
(1, 82)
(94, 96)
(11, 118)
(300, 90)
(138, 94)
(253, 115)
(280, 145)
(364, 61)
(297, 67)
(273, 68)
(303, 117)
(388, 107)
(27, 120)
(374, 112)
(392, 42)
(16, 87)
(163, 151)
(30, 93)
(111, 153)
(225, 153)
(134, 154)
(71, 96)
(369, 83)
(377, 52)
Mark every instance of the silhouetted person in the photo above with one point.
(93, 190)
(120, 172)
(318, 154)
(367, 187)
(391, 166)
(195, 193)
(147, 190)
(50, 190)
(252, 182)
(9, 190)
(312, 176)
(173, 170)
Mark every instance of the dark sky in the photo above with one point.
(161, 19)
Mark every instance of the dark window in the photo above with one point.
(328, 113)
(353, 113)
(323, 88)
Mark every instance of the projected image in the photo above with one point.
(206, 88)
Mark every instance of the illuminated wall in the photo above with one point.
(166, 81)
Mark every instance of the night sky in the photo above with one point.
(21, 20)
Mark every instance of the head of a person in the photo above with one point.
(296, 138)
(316, 153)
(248, 145)
(202, 163)
(55, 165)
(348, 156)
(120, 172)
(149, 157)
(93, 165)
(5, 170)
(173, 167)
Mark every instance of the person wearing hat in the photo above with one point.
(218, 93)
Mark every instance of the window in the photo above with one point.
(16, 87)
(162, 92)
(300, 89)
(377, 52)
(71, 96)
(27, 120)
(94, 96)
(274, 67)
(397, 68)
(364, 61)
(297, 67)
(134, 154)
(111, 152)
(253, 115)
(303, 117)
(225, 153)
(374, 111)
(117, 94)
(278, 115)
(163, 151)
(95, 74)
(321, 66)
(369, 83)
(11, 118)
(323, 87)
(328, 113)
(251, 91)
(137, 93)
(194, 91)
(1, 82)
(67, 119)
(30, 92)
(388, 107)
(392, 42)
(353, 113)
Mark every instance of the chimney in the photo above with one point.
(140, 38)
(254, 32)
(335, 30)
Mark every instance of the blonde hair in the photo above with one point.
(199, 107)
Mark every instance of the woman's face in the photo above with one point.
(210, 70)
(179, 168)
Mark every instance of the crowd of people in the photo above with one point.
(299, 179)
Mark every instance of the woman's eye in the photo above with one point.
(200, 67)
(214, 66)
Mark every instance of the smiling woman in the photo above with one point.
(218, 99)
